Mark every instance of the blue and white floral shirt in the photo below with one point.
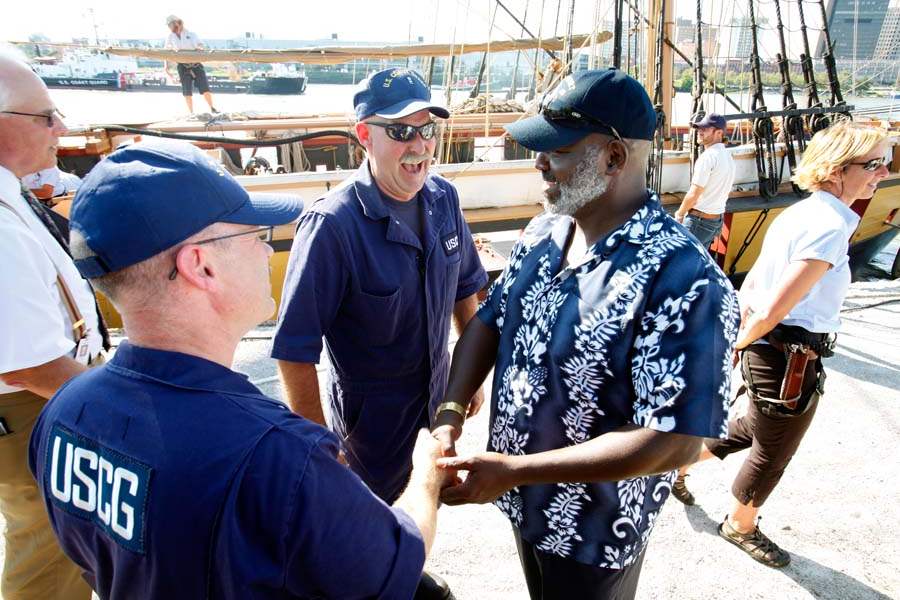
(640, 332)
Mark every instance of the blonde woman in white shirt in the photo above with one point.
(790, 313)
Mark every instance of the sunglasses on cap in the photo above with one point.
(569, 117)
(869, 165)
(402, 132)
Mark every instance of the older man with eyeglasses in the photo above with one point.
(51, 330)
(377, 269)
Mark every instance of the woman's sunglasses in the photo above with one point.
(401, 132)
(870, 165)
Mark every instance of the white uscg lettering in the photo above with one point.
(94, 482)
(451, 243)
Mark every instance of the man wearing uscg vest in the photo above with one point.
(165, 473)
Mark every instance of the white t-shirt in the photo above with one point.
(34, 321)
(62, 182)
(818, 228)
(187, 41)
(714, 172)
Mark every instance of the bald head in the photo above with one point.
(14, 73)
(27, 141)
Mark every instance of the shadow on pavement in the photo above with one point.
(824, 582)
(845, 361)
(819, 580)
(700, 520)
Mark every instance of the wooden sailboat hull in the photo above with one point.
(746, 222)
(505, 195)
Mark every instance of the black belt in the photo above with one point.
(820, 343)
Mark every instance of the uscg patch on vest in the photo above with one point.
(450, 243)
(101, 485)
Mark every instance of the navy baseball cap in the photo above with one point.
(147, 197)
(598, 101)
(710, 120)
(395, 93)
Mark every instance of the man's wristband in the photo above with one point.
(451, 406)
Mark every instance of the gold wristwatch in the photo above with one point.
(451, 406)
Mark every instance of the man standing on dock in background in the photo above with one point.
(610, 334)
(188, 73)
(377, 269)
(51, 331)
(703, 207)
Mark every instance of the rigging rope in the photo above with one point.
(763, 130)
(815, 122)
(791, 125)
(698, 110)
(830, 67)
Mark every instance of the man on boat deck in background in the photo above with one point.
(182, 39)
(165, 473)
(610, 333)
(703, 206)
(377, 268)
(42, 301)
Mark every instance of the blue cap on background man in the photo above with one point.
(711, 120)
(393, 94)
(147, 197)
(599, 101)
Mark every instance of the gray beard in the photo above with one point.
(587, 183)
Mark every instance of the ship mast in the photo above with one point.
(658, 83)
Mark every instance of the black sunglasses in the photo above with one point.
(263, 233)
(869, 165)
(402, 132)
(53, 114)
(574, 118)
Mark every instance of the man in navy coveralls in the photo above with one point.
(610, 334)
(165, 473)
(377, 268)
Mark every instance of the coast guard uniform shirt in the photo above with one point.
(382, 298)
(640, 332)
(168, 476)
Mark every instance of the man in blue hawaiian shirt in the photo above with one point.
(610, 334)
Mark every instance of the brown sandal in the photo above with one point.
(681, 493)
(756, 544)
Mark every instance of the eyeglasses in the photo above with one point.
(869, 165)
(402, 132)
(576, 119)
(53, 114)
(263, 233)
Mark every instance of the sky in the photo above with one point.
(395, 21)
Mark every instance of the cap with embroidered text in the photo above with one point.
(393, 94)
